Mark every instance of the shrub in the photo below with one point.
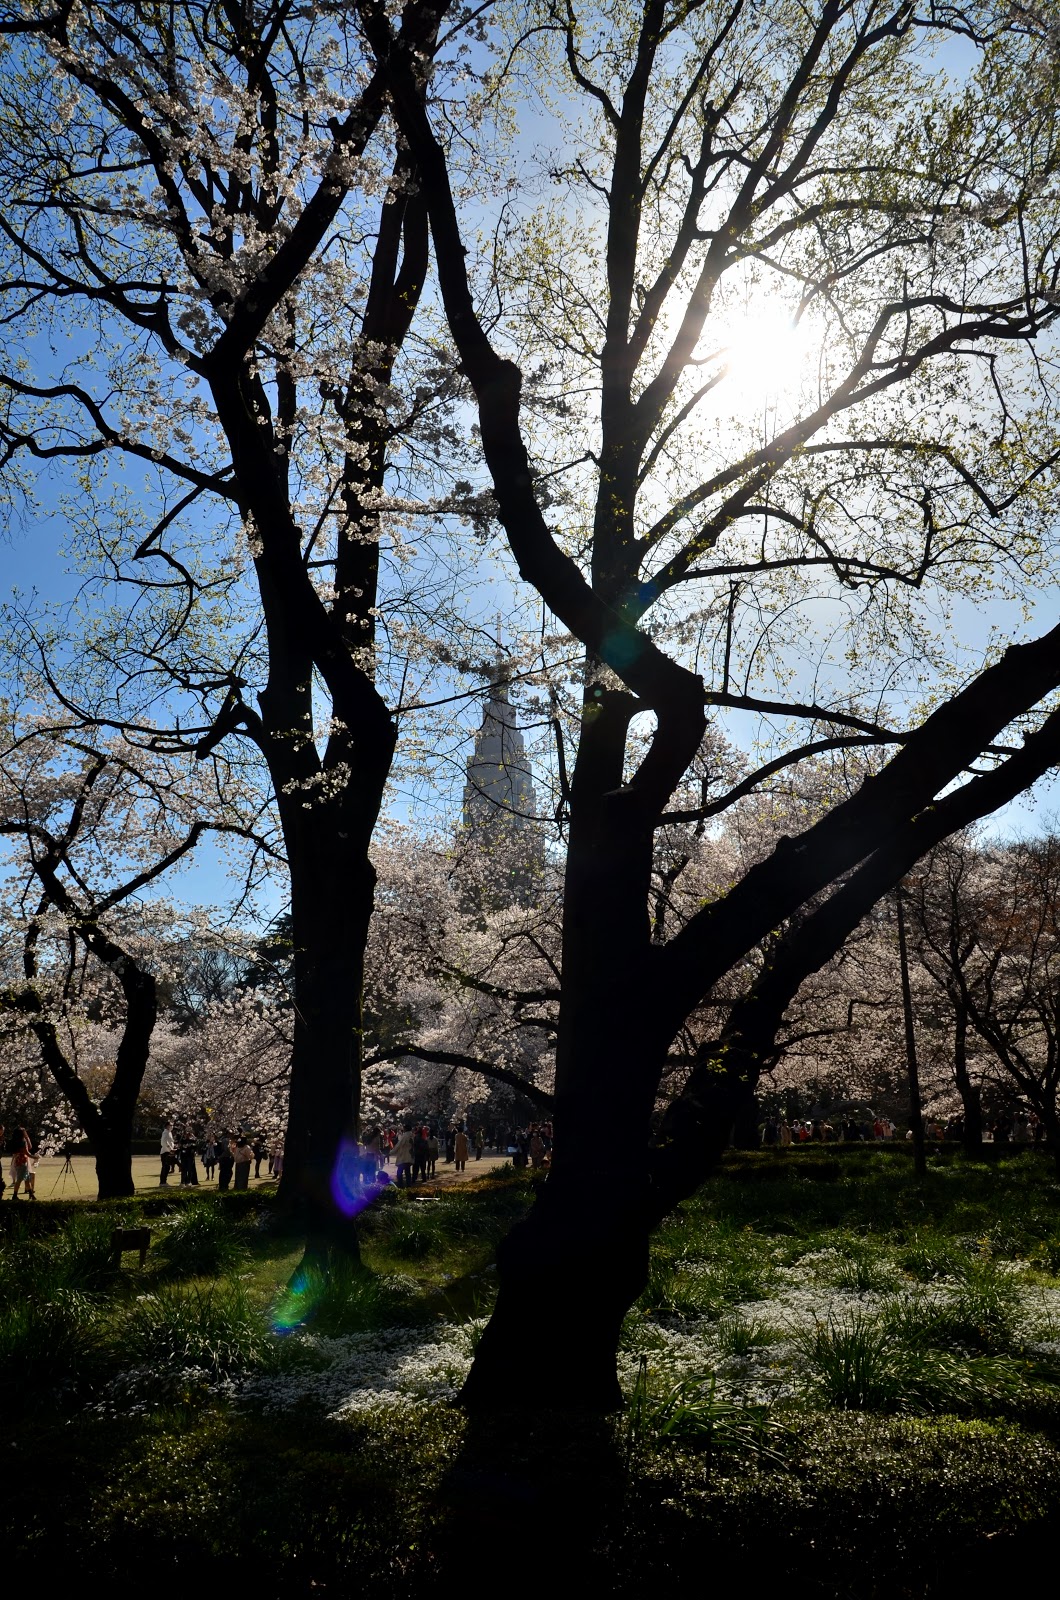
(216, 1329)
(46, 1344)
(695, 1411)
(200, 1242)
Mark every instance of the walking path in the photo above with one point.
(79, 1182)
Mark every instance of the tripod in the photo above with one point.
(67, 1171)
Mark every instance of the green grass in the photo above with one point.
(915, 1422)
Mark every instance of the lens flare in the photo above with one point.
(355, 1182)
(298, 1301)
(355, 1179)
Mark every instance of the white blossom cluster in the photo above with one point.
(369, 1371)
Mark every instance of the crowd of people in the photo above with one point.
(412, 1150)
(230, 1155)
(783, 1132)
(416, 1147)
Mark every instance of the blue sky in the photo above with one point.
(30, 559)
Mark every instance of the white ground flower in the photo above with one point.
(368, 1370)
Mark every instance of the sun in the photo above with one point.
(766, 355)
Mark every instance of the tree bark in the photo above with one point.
(583, 1249)
(332, 893)
(111, 1148)
(916, 1115)
(971, 1102)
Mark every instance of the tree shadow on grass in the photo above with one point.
(535, 1483)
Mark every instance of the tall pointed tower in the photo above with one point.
(500, 806)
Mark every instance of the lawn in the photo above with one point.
(832, 1369)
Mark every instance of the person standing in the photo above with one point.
(460, 1148)
(209, 1156)
(3, 1181)
(21, 1150)
(189, 1173)
(404, 1155)
(168, 1152)
(225, 1162)
(242, 1155)
(420, 1153)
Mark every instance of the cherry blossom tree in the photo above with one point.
(456, 979)
(89, 828)
(987, 924)
(813, 166)
(209, 201)
(230, 1069)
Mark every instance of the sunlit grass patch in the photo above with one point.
(861, 1267)
(863, 1363)
(673, 1290)
(928, 1258)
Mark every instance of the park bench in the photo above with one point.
(123, 1239)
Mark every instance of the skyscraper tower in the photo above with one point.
(500, 806)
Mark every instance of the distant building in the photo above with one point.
(500, 805)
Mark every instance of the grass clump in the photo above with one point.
(863, 1364)
(981, 1312)
(853, 1364)
(929, 1259)
(861, 1269)
(738, 1336)
(215, 1328)
(695, 1411)
(47, 1344)
(200, 1242)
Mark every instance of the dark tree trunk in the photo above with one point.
(583, 1250)
(916, 1115)
(111, 1148)
(970, 1099)
(108, 1126)
(331, 906)
(568, 1274)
